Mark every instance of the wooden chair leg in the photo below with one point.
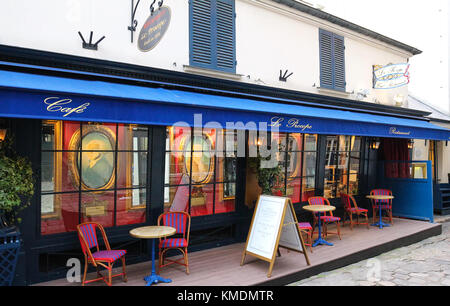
(124, 276)
(339, 230)
(186, 260)
(351, 221)
(109, 274)
(85, 270)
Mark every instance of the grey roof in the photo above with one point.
(436, 114)
(347, 24)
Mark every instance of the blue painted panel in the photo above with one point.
(413, 197)
(22, 96)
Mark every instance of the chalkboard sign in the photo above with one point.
(274, 225)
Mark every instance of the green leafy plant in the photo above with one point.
(16, 182)
(268, 177)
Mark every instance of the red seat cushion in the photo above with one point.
(356, 210)
(173, 243)
(109, 256)
(305, 226)
(330, 218)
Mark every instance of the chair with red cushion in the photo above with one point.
(385, 204)
(351, 208)
(326, 217)
(181, 221)
(87, 233)
(306, 228)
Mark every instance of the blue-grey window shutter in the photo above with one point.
(339, 62)
(200, 33)
(225, 35)
(332, 61)
(212, 34)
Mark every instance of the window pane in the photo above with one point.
(309, 187)
(98, 207)
(178, 137)
(342, 185)
(225, 198)
(131, 206)
(202, 197)
(295, 142)
(202, 166)
(176, 198)
(132, 169)
(133, 138)
(309, 167)
(310, 142)
(294, 164)
(176, 169)
(59, 213)
(293, 189)
(354, 184)
(226, 169)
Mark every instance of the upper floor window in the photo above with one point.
(212, 34)
(332, 61)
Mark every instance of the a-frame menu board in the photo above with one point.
(274, 225)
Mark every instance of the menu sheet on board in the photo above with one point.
(289, 235)
(266, 225)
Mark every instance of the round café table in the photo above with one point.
(153, 233)
(320, 209)
(380, 224)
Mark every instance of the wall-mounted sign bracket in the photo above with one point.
(134, 22)
(285, 76)
(90, 45)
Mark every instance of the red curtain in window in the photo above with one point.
(396, 150)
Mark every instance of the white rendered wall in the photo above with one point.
(269, 37)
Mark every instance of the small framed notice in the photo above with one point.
(274, 225)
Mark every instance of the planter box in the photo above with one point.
(9, 253)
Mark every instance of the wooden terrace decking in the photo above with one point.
(221, 266)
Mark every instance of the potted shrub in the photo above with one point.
(16, 185)
(16, 190)
(267, 177)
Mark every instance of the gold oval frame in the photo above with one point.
(75, 149)
(184, 159)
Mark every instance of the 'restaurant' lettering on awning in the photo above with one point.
(394, 131)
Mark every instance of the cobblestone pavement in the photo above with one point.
(426, 263)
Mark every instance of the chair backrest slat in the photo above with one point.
(176, 220)
(382, 192)
(88, 231)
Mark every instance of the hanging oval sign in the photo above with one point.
(154, 29)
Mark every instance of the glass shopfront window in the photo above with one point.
(92, 172)
(200, 171)
(342, 167)
(297, 158)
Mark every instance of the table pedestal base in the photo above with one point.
(321, 241)
(155, 278)
(381, 224)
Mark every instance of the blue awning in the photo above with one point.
(24, 95)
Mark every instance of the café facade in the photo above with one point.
(120, 137)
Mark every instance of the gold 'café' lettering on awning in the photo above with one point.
(56, 104)
(293, 123)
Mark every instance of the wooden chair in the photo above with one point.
(351, 208)
(181, 221)
(385, 204)
(87, 233)
(306, 228)
(326, 217)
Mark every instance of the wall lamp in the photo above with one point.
(411, 144)
(375, 143)
(2, 134)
